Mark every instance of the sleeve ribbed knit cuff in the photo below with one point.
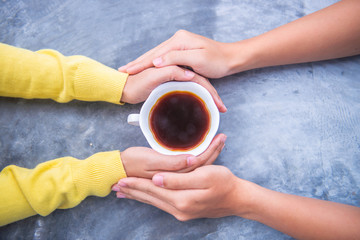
(95, 175)
(94, 81)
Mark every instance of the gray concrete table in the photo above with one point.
(293, 129)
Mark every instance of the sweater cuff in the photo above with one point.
(94, 81)
(95, 175)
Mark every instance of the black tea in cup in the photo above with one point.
(179, 120)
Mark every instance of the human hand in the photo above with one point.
(145, 162)
(139, 86)
(208, 191)
(205, 56)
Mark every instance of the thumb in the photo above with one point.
(197, 179)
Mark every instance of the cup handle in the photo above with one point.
(133, 119)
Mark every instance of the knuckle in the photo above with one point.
(174, 73)
(222, 171)
(181, 32)
(182, 206)
(148, 165)
(202, 158)
(177, 165)
(207, 178)
(140, 66)
(125, 190)
(169, 57)
(144, 186)
(219, 148)
(182, 217)
(147, 188)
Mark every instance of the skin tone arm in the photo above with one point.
(332, 32)
(213, 191)
(209, 191)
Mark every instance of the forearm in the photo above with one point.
(332, 32)
(301, 217)
(60, 183)
(49, 74)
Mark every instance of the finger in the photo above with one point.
(206, 84)
(141, 58)
(173, 73)
(179, 57)
(126, 185)
(141, 63)
(181, 40)
(159, 49)
(213, 151)
(197, 179)
(207, 157)
(148, 196)
(179, 74)
(145, 61)
(175, 202)
(186, 163)
(148, 199)
(134, 68)
(161, 162)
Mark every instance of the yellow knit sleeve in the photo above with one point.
(60, 183)
(49, 74)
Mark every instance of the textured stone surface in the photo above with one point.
(294, 129)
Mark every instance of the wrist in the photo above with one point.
(125, 162)
(124, 95)
(241, 56)
(249, 197)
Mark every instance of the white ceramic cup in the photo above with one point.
(142, 119)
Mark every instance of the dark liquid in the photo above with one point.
(179, 120)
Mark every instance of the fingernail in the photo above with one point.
(223, 139)
(131, 69)
(158, 180)
(225, 108)
(115, 188)
(122, 184)
(120, 195)
(190, 160)
(122, 69)
(157, 61)
(189, 74)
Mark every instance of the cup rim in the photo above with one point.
(196, 89)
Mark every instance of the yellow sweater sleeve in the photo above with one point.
(48, 74)
(60, 183)
(64, 182)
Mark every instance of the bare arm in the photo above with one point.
(332, 32)
(213, 191)
(304, 218)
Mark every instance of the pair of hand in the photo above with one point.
(175, 186)
(144, 162)
(206, 57)
(213, 191)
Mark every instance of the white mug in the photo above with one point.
(143, 118)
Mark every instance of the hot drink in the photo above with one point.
(179, 120)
